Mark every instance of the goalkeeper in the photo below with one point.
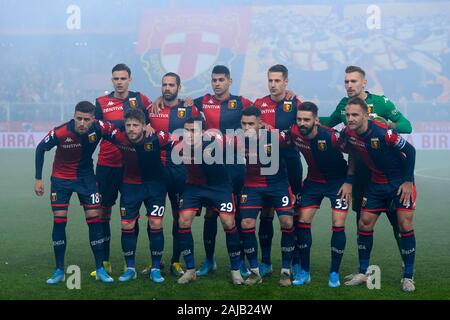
(380, 109)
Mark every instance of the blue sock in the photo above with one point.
(365, 243)
(239, 229)
(175, 244)
(105, 222)
(296, 253)
(156, 239)
(96, 240)
(287, 247)
(59, 240)
(129, 241)
(338, 241)
(209, 236)
(304, 239)
(233, 247)
(186, 243)
(250, 246)
(408, 245)
(265, 235)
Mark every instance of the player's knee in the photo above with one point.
(228, 224)
(405, 223)
(365, 224)
(184, 221)
(155, 223)
(128, 225)
(248, 223)
(286, 222)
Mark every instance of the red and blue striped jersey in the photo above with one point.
(254, 165)
(73, 157)
(323, 154)
(222, 115)
(170, 119)
(142, 161)
(109, 108)
(383, 152)
(280, 115)
(201, 172)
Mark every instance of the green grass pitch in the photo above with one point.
(26, 254)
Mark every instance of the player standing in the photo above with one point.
(170, 118)
(143, 182)
(328, 176)
(390, 159)
(261, 188)
(378, 106)
(278, 111)
(109, 169)
(73, 171)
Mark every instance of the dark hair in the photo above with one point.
(308, 106)
(351, 69)
(279, 68)
(85, 107)
(121, 67)
(252, 111)
(358, 101)
(173, 74)
(219, 69)
(135, 114)
(193, 119)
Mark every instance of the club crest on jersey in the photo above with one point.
(243, 198)
(232, 104)
(92, 137)
(375, 143)
(123, 212)
(322, 145)
(370, 108)
(268, 149)
(133, 102)
(148, 146)
(287, 106)
(53, 196)
(181, 113)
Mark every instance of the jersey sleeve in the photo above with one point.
(49, 141)
(335, 118)
(146, 106)
(194, 111)
(393, 114)
(399, 143)
(98, 110)
(198, 103)
(163, 138)
(246, 102)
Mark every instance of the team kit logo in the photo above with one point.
(375, 143)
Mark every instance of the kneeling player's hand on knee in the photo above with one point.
(405, 191)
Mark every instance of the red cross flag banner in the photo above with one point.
(191, 42)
